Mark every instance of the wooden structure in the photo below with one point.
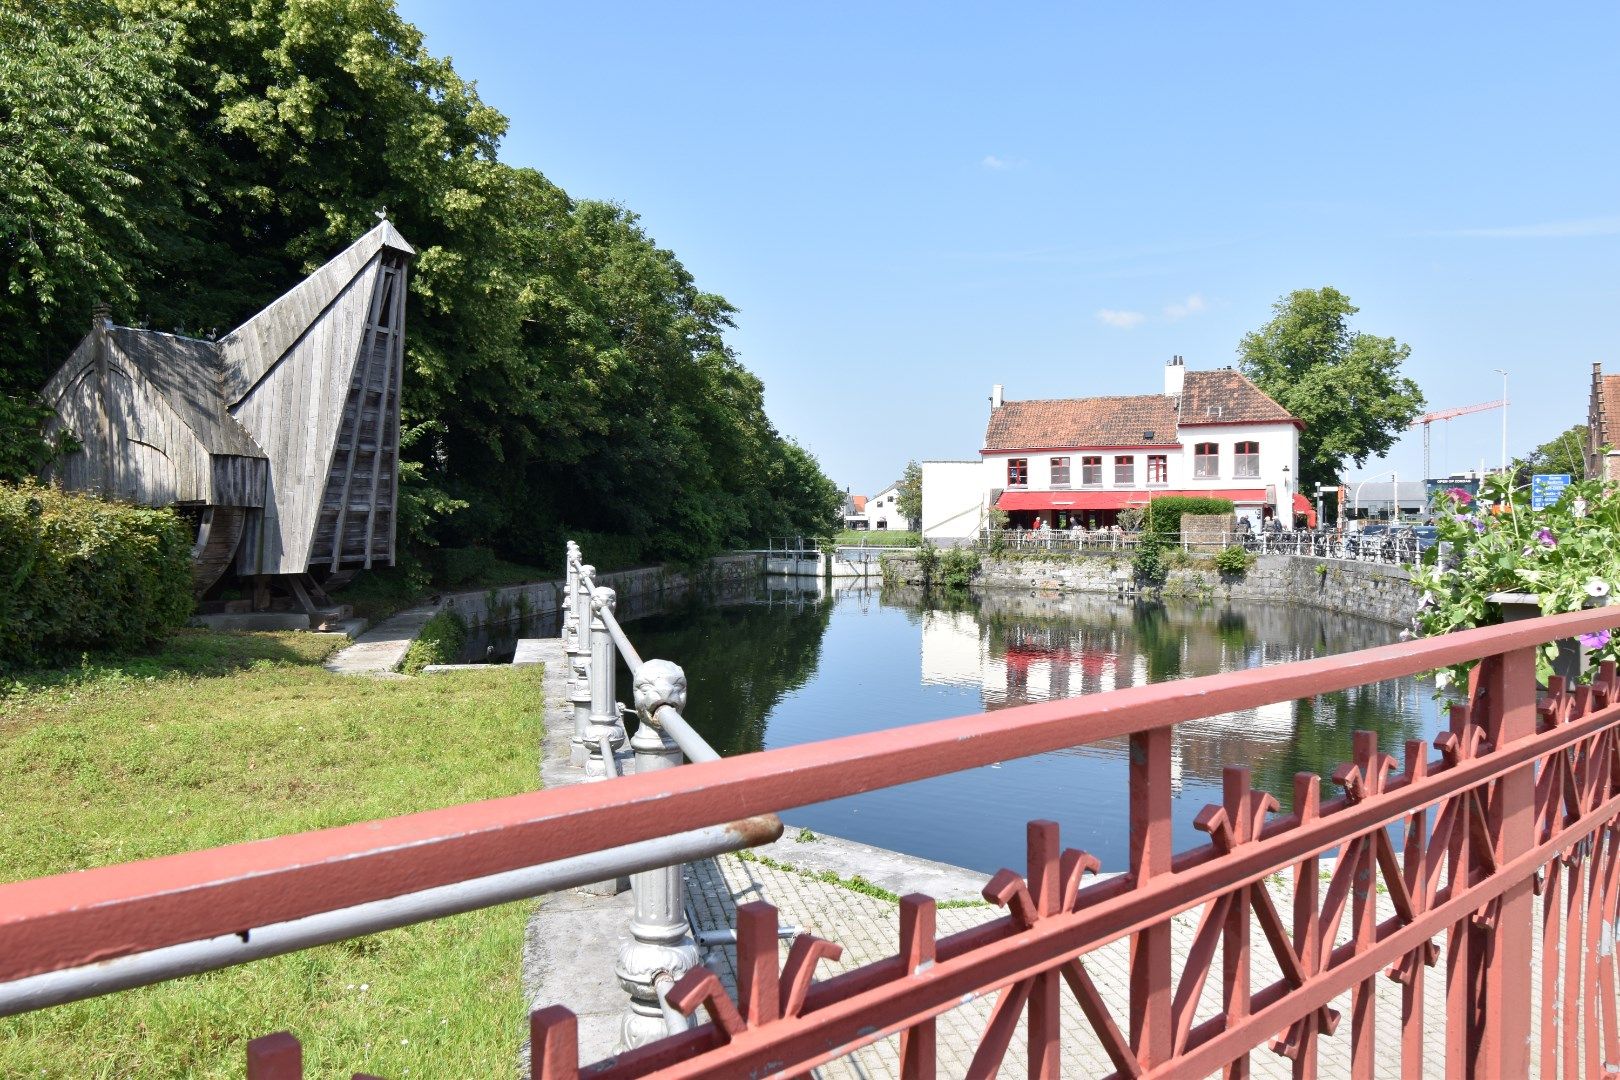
(281, 438)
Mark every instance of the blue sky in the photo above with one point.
(911, 202)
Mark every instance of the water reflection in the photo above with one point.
(798, 662)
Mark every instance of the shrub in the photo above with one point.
(439, 642)
(957, 567)
(1163, 516)
(927, 561)
(79, 573)
(1147, 562)
(1233, 561)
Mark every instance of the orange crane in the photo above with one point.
(1448, 414)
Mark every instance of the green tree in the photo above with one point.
(909, 499)
(192, 159)
(1564, 453)
(1346, 386)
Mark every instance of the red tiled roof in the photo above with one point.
(1208, 397)
(1227, 397)
(1098, 421)
(860, 503)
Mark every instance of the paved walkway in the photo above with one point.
(869, 929)
(380, 650)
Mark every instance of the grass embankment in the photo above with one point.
(878, 538)
(220, 738)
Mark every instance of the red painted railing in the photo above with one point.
(1520, 800)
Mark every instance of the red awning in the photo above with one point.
(1302, 505)
(1068, 500)
(1115, 500)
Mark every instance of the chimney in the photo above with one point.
(995, 396)
(1175, 377)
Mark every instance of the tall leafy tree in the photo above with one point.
(563, 370)
(909, 498)
(1345, 385)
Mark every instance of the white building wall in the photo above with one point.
(953, 499)
(1279, 448)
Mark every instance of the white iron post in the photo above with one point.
(604, 697)
(579, 691)
(661, 944)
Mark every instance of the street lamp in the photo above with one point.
(1503, 373)
(1285, 505)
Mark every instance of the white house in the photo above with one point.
(1080, 461)
(883, 510)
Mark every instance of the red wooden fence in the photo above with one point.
(1509, 829)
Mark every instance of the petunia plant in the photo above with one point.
(1567, 555)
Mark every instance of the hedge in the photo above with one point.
(80, 573)
(1164, 515)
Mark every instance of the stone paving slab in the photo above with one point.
(380, 650)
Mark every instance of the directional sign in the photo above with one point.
(1546, 489)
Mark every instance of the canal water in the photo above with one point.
(793, 663)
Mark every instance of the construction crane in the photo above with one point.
(1448, 414)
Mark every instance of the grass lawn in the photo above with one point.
(878, 538)
(223, 737)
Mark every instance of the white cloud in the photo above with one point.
(1547, 230)
(1193, 305)
(1121, 320)
(1000, 164)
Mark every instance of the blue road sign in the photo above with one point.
(1546, 489)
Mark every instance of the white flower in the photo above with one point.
(1596, 587)
(1579, 508)
(1442, 679)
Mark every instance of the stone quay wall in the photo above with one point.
(1370, 590)
(634, 588)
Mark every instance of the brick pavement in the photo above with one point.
(868, 929)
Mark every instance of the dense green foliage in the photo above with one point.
(1564, 555)
(439, 642)
(78, 573)
(563, 370)
(1565, 453)
(1345, 385)
(1163, 516)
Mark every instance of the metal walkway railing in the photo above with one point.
(1504, 832)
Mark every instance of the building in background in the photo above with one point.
(1069, 462)
(1603, 426)
(854, 511)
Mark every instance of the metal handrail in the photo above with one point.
(693, 745)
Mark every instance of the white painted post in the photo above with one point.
(604, 697)
(661, 945)
(580, 691)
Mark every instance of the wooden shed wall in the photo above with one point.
(134, 446)
(295, 406)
